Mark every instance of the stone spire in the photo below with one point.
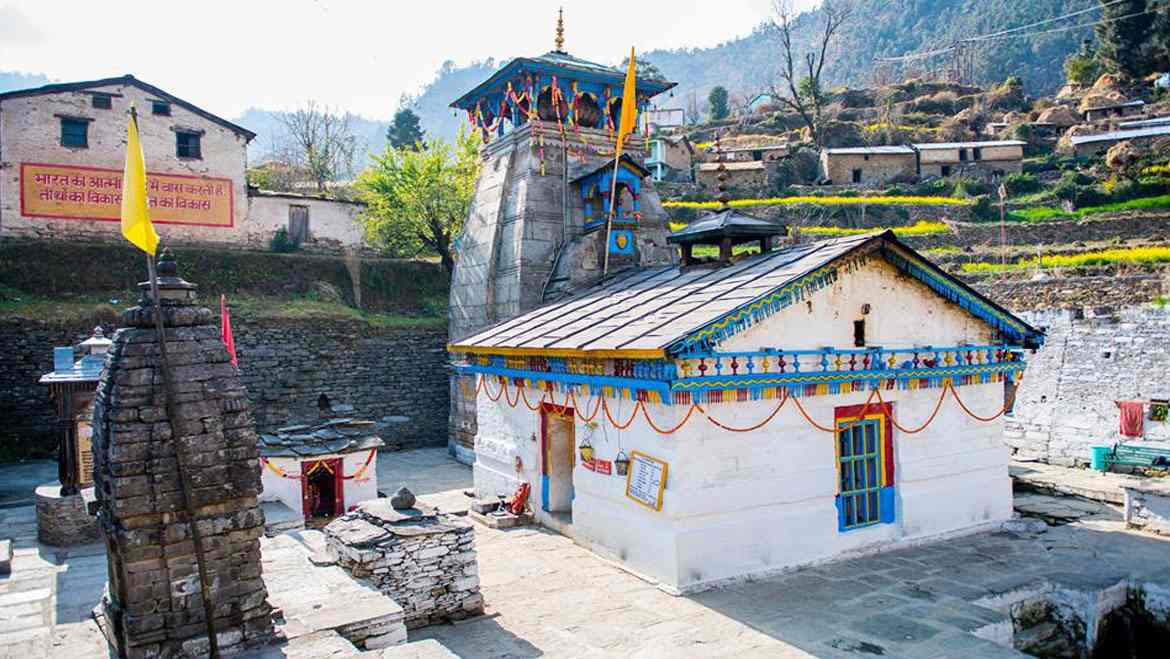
(560, 40)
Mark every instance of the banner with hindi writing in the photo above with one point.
(72, 192)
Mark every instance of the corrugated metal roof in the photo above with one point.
(1145, 123)
(1119, 135)
(930, 146)
(867, 150)
(732, 166)
(644, 311)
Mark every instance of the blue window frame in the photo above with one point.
(75, 133)
(865, 480)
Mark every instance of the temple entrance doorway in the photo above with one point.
(559, 446)
(322, 490)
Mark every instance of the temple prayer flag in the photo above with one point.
(225, 329)
(136, 226)
(629, 106)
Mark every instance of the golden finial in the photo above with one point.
(560, 41)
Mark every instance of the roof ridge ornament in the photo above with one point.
(560, 39)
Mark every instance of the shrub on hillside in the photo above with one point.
(1017, 184)
(281, 244)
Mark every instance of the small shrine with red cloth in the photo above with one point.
(321, 471)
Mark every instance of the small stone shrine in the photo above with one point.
(63, 517)
(320, 471)
(153, 606)
(424, 560)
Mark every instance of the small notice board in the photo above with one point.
(646, 480)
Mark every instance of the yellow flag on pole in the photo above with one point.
(629, 106)
(136, 226)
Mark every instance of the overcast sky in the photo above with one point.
(359, 55)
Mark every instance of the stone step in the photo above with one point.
(1085, 483)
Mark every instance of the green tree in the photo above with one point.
(1160, 41)
(404, 130)
(1122, 37)
(417, 198)
(717, 99)
(645, 69)
(1083, 67)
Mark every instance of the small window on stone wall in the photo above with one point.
(102, 101)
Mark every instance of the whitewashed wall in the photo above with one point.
(288, 490)
(903, 313)
(333, 225)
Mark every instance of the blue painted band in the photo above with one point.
(570, 378)
(766, 380)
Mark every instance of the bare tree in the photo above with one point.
(321, 142)
(799, 87)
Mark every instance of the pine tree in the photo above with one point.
(1122, 43)
(404, 131)
(718, 101)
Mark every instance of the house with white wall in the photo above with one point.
(63, 149)
(715, 421)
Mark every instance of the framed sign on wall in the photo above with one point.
(646, 480)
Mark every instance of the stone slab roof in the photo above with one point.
(333, 437)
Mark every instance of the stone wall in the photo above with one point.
(1065, 403)
(424, 561)
(393, 375)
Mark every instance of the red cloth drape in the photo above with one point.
(1132, 414)
(225, 329)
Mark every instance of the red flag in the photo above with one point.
(225, 329)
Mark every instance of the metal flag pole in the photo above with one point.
(612, 208)
(184, 477)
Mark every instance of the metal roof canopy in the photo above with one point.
(728, 222)
(640, 314)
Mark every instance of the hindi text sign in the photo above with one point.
(646, 480)
(71, 192)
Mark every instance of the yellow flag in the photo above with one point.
(136, 226)
(629, 107)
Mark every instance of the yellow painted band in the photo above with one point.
(642, 353)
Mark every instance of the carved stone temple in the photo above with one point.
(153, 606)
(537, 227)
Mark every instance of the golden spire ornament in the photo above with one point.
(560, 40)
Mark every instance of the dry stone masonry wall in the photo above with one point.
(424, 561)
(396, 376)
(1090, 359)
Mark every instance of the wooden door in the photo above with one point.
(559, 452)
(298, 224)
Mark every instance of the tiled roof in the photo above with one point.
(1119, 135)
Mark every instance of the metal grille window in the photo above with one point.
(75, 133)
(187, 145)
(860, 467)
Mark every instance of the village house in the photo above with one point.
(742, 175)
(671, 158)
(867, 164)
(1144, 123)
(63, 148)
(1113, 110)
(882, 164)
(767, 153)
(1092, 145)
(996, 157)
(710, 422)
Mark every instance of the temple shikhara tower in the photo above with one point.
(537, 227)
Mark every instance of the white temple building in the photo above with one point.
(711, 421)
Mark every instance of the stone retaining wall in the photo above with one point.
(1091, 358)
(394, 375)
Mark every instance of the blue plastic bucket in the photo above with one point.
(1097, 457)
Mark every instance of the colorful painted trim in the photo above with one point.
(1011, 327)
(650, 391)
(739, 320)
(771, 386)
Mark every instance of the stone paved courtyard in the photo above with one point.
(548, 597)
